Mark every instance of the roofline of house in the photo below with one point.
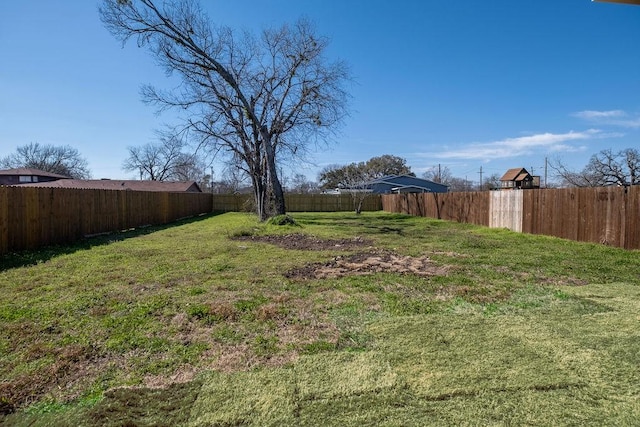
(31, 171)
(116, 184)
(384, 180)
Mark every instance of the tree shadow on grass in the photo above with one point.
(374, 222)
(33, 257)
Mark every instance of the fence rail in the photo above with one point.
(32, 217)
(607, 215)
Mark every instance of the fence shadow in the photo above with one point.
(32, 257)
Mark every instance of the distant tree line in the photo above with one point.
(621, 168)
(62, 160)
(443, 175)
(165, 160)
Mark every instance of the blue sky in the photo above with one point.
(466, 84)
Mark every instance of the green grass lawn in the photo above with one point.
(203, 324)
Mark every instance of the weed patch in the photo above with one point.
(281, 220)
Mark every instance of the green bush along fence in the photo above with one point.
(607, 215)
(32, 217)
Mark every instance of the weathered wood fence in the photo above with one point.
(608, 215)
(32, 217)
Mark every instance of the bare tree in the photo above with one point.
(491, 182)
(354, 179)
(460, 184)
(233, 180)
(164, 161)
(189, 167)
(253, 99)
(439, 174)
(570, 178)
(336, 176)
(62, 160)
(604, 168)
(443, 175)
(357, 182)
(301, 185)
(609, 168)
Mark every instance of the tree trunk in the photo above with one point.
(260, 194)
(278, 193)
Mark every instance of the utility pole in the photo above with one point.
(545, 172)
(439, 174)
(480, 178)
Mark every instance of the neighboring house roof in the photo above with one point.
(113, 184)
(405, 184)
(31, 172)
(514, 174)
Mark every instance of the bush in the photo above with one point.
(283, 220)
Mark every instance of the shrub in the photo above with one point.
(283, 220)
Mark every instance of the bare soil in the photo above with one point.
(367, 262)
(364, 263)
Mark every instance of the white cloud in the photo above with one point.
(513, 147)
(618, 118)
(595, 115)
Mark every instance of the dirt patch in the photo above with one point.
(308, 243)
(69, 372)
(368, 263)
(372, 261)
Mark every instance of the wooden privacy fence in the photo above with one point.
(32, 217)
(298, 202)
(460, 207)
(607, 215)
